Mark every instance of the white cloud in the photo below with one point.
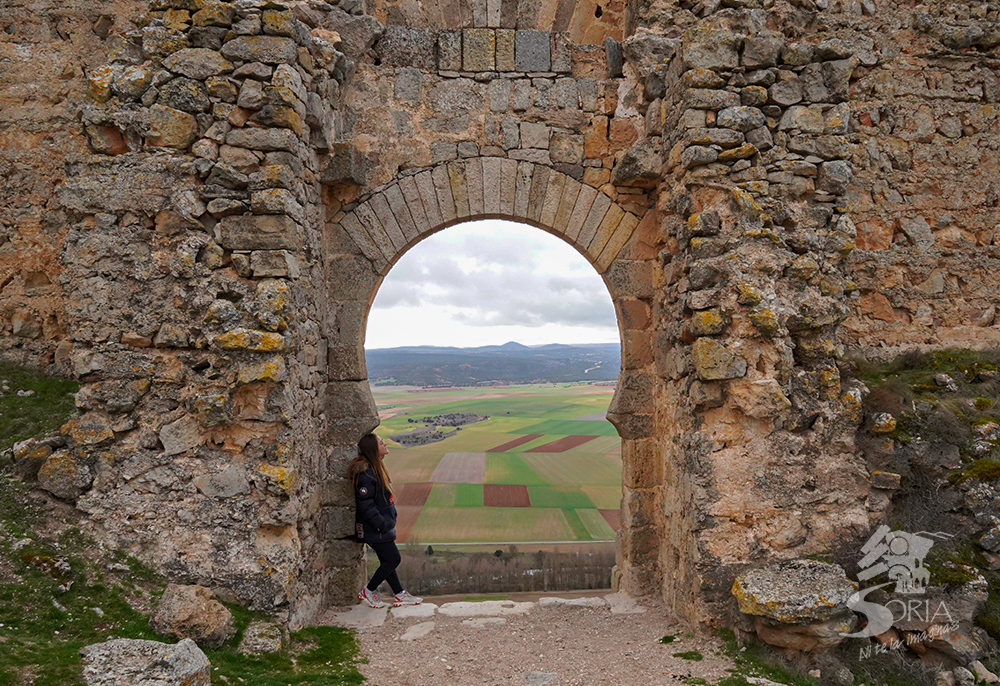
(490, 282)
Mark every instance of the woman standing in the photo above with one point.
(376, 520)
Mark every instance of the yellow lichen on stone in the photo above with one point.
(746, 203)
(803, 268)
(883, 423)
(765, 320)
(741, 153)
(267, 370)
(708, 322)
(251, 340)
(100, 81)
(747, 294)
(283, 477)
(713, 361)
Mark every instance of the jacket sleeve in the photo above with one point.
(364, 498)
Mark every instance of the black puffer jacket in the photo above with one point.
(376, 510)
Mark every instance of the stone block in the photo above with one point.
(478, 50)
(613, 55)
(267, 140)
(804, 119)
(561, 59)
(762, 50)
(499, 95)
(708, 99)
(708, 47)
(449, 50)
(281, 263)
(266, 232)
(125, 660)
(171, 128)
(266, 49)
(505, 50)
(535, 135)
(197, 63)
(404, 46)
(532, 50)
(407, 84)
(442, 151)
(566, 147)
(714, 362)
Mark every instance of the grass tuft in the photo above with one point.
(36, 415)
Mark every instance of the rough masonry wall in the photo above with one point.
(219, 196)
(46, 48)
(925, 138)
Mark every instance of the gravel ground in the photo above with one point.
(550, 646)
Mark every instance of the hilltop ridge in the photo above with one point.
(512, 362)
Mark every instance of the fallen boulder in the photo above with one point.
(126, 661)
(192, 612)
(798, 604)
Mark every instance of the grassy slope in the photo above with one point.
(43, 624)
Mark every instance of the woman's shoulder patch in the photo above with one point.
(363, 490)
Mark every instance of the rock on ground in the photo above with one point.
(192, 612)
(130, 662)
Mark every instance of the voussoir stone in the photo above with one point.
(126, 661)
(192, 612)
(266, 49)
(197, 63)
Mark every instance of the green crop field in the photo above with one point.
(565, 489)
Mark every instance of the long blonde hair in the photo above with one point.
(368, 457)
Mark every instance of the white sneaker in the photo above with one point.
(404, 598)
(370, 598)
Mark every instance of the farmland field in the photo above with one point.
(544, 467)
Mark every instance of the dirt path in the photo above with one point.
(536, 643)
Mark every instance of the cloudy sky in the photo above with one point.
(487, 283)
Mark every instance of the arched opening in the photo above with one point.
(493, 353)
(367, 236)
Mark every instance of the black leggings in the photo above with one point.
(388, 560)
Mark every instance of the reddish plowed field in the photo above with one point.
(505, 495)
(414, 494)
(613, 518)
(406, 517)
(562, 445)
(510, 445)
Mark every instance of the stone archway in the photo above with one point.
(374, 233)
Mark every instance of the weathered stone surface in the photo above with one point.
(707, 47)
(532, 52)
(192, 612)
(267, 140)
(795, 591)
(450, 50)
(261, 638)
(181, 435)
(834, 177)
(171, 128)
(265, 232)
(65, 476)
(266, 49)
(740, 118)
(124, 661)
(29, 456)
(759, 398)
(404, 46)
(641, 166)
(713, 361)
(478, 50)
(197, 63)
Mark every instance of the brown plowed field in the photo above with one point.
(562, 445)
(510, 445)
(505, 495)
(414, 494)
(613, 518)
(406, 518)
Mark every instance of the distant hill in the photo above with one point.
(493, 364)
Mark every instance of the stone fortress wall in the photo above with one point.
(202, 196)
